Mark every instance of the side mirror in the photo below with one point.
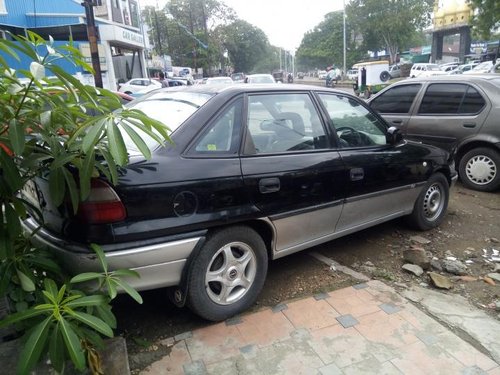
(393, 136)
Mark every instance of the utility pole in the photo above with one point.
(92, 36)
(345, 71)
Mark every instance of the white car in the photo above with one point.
(219, 81)
(395, 71)
(322, 74)
(352, 74)
(425, 70)
(259, 78)
(139, 86)
(463, 68)
(484, 67)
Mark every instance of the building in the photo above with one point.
(121, 42)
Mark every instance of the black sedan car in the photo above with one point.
(255, 172)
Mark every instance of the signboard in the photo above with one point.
(87, 57)
(119, 34)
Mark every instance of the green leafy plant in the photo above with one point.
(68, 317)
(54, 126)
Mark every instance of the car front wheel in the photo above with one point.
(479, 169)
(430, 207)
(228, 273)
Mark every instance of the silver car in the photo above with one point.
(457, 113)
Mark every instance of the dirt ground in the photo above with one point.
(470, 233)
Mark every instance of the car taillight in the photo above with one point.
(103, 206)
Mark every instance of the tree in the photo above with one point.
(486, 16)
(245, 44)
(270, 61)
(185, 30)
(323, 46)
(388, 24)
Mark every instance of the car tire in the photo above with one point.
(430, 207)
(385, 76)
(228, 273)
(479, 169)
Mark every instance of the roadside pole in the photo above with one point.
(92, 36)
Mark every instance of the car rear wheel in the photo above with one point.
(430, 207)
(228, 273)
(479, 169)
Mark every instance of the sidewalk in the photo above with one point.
(365, 329)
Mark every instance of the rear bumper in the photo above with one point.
(159, 265)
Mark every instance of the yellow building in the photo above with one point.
(451, 14)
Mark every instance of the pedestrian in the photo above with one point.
(163, 80)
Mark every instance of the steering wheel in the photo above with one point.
(344, 130)
(353, 137)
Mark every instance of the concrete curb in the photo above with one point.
(476, 327)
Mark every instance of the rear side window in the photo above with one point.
(451, 98)
(223, 135)
(396, 100)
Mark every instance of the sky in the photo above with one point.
(284, 21)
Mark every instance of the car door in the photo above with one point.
(291, 173)
(447, 113)
(383, 180)
(396, 104)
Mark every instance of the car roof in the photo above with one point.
(490, 82)
(494, 78)
(216, 89)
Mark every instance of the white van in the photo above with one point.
(425, 70)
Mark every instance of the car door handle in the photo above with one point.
(469, 125)
(357, 174)
(397, 121)
(269, 185)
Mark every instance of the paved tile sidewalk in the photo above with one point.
(365, 329)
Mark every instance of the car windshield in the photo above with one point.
(484, 65)
(170, 108)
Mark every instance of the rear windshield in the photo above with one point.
(170, 108)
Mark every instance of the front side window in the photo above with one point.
(450, 98)
(354, 124)
(283, 123)
(396, 100)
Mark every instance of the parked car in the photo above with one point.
(139, 86)
(463, 68)
(238, 77)
(254, 173)
(124, 98)
(425, 70)
(322, 74)
(447, 67)
(484, 67)
(395, 71)
(451, 112)
(495, 68)
(259, 78)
